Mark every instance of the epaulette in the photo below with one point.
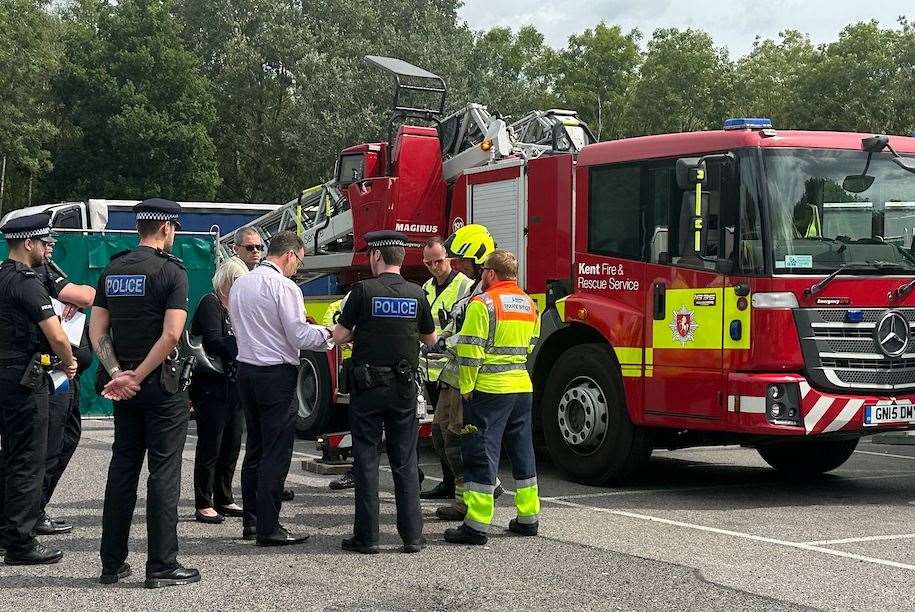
(171, 258)
(26, 272)
(119, 254)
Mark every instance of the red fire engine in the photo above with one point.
(746, 286)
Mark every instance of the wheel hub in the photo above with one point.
(583, 414)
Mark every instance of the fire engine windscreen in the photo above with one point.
(817, 225)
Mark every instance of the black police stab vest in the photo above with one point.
(135, 309)
(19, 337)
(388, 331)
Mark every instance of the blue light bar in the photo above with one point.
(854, 316)
(913, 133)
(747, 123)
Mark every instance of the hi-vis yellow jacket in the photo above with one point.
(500, 328)
(458, 287)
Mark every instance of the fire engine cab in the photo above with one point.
(748, 285)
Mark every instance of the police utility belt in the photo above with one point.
(36, 372)
(365, 377)
(175, 373)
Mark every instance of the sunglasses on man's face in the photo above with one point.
(253, 247)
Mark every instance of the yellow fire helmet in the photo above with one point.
(471, 242)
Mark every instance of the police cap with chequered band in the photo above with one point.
(36, 227)
(384, 238)
(158, 209)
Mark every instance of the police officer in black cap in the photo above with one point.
(29, 332)
(385, 318)
(64, 420)
(137, 320)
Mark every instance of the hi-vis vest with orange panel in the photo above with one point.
(500, 328)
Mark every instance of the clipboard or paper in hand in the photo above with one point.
(74, 327)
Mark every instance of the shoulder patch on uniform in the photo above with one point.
(394, 307)
(516, 303)
(119, 254)
(171, 258)
(125, 285)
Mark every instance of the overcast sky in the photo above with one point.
(732, 23)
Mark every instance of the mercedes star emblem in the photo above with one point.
(892, 334)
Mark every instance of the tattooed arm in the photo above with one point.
(101, 341)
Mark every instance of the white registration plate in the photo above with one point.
(883, 414)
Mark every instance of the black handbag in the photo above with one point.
(204, 364)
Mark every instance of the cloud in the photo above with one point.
(732, 23)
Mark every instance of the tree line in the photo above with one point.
(251, 100)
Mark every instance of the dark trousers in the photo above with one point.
(498, 417)
(23, 442)
(219, 424)
(266, 395)
(153, 423)
(65, 427)
(438, 437)
(369, 412)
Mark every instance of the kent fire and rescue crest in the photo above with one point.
(684, 325)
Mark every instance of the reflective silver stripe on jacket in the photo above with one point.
(493, 368)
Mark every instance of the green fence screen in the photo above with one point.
(84, 256)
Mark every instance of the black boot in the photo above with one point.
(465, 535)
(37, 555)
(288, 495)
(354, 545)
(523, 529)
(344, 482)
(48, 526)
(174, 577)
(111, 577)
(439, 491)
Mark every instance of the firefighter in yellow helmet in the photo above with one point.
(500, 327)
(443, 289)
(472, 244)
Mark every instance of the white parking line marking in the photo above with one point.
(884, 454)
(901, 536)
(737, 534)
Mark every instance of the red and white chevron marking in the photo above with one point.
(826, 413)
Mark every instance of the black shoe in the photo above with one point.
(354, 545)
(439, 491)
(497, 493)
(523, 529)
(249, 533)
(209, 520)
(413, 547)
(233, 512)
(344, 482)
(48, 526)
(37, 555)
(288, 495)
(175, 577)
(111, 577)
(465, 535)
(281, 537)
(451, 512)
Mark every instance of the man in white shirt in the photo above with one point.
(268, 316)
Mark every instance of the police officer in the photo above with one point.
(137, 320)
(64, 420)
(29, 332)
(443, 289)
(385, 318)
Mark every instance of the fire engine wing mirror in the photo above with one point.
(694, 224)
(857, 183)
(690, 172)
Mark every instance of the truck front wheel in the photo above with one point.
(585, 423)
(312, 395)
(807, 457)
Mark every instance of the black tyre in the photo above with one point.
(312, 396)
(585, 423)
(807, 457)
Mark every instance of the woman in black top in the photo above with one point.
(215, 397)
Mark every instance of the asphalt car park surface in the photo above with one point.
(708, 528)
